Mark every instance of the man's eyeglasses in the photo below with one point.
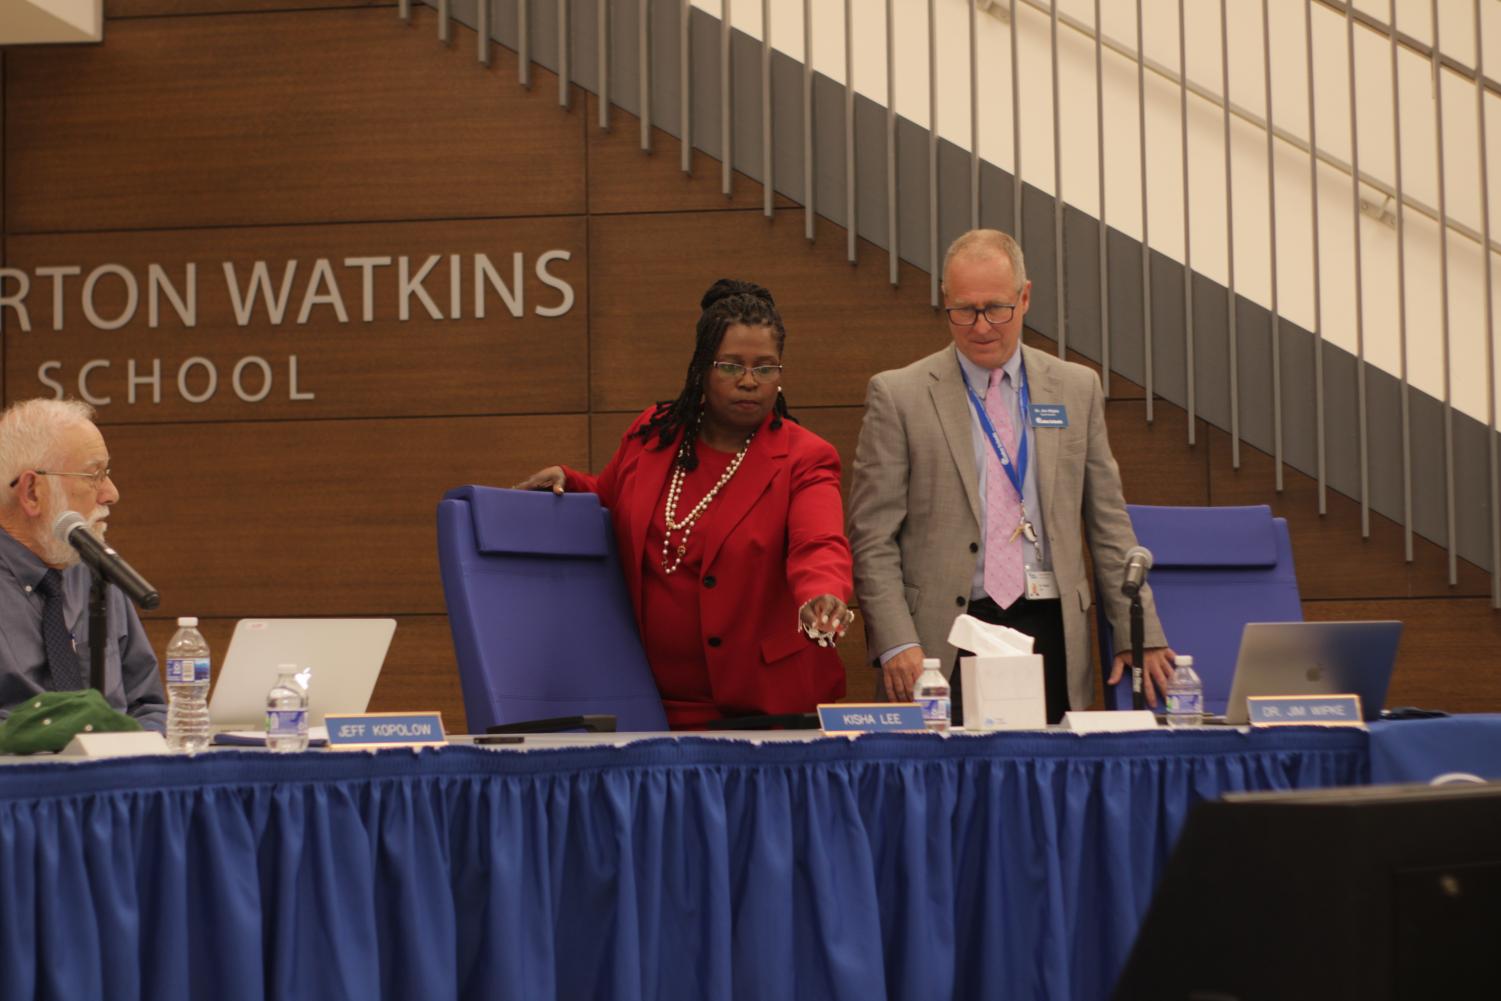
(734, 370)
(96, 479)
(995, 312)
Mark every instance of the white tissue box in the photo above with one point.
(1004, 693)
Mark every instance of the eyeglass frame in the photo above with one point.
(980, 311)
(98, 477)
(723, 367)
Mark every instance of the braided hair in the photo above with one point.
(727, 302)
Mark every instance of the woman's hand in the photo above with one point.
(552, 478)
(825, 615)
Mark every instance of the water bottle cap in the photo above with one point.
(1183, 660)
(187, 621)
(932, 664)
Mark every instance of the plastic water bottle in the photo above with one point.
(286, 712)
(187, 688)
(932, 693)
(1185, 694)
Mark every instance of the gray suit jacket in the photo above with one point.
(914, 510)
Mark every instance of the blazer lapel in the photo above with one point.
(1041, 387)
(767, 454)
(951, 402)
(653, 467)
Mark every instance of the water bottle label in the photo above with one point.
(286, 722)
(1185, 703)
(935, 710)
(186, 670)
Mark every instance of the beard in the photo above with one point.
(58, 552)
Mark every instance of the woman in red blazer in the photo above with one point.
(730, 527)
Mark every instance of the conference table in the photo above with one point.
(911, 866)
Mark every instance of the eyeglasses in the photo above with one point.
(96, 479)
(734, 370)
(995, 312)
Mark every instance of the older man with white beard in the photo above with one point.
(53, 459)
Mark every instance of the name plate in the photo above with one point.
(363, 731)
(874, 717)
(1109, 720)
(1304, 710)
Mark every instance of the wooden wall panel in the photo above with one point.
(387, 367)
(310, 517)
(255, 119)
(622, 179)
(419, 671)
(1157, 464)
(843, 324)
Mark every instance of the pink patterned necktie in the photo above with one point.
(1003, 508)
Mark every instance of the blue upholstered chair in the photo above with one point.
(1214, 569)
(542, 624)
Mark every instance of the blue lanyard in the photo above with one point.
(1017, 474)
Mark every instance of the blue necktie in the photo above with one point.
(64, 668)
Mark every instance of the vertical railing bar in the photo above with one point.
(643, 58)
(1189, 376)
(1232, 330)
(1016, 131)
(1361, 401)
(768, 177)
(932, 155)
(726, 100)
(1099, 106)
(1490, 336)
(404, 10)
(1405, 396)
(445, 21)
(524, 44)
(809, 210)
(1443, 268)
(974, 119)
(565, 49)
(891, 215)
(685, 77)
(1271, 198)
(603, 84)
(1318, 313)
(851, 221)
(1059, 264)
(1146, 243)
(482, 32)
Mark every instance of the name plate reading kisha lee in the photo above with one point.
(874, 717)
(362, 731)
(1304, 710)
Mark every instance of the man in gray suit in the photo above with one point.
(975, 470)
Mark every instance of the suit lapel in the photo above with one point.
(951, 401)
(767, 454)
(1042, 387)
(653, 467)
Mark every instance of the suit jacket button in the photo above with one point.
(959, 601)
(709, 581)
(714, 641)
(974, 547)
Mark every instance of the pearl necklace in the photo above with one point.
(674, 490)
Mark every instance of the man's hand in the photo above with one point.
(900, 673)
(552, 478)
(1155, 672)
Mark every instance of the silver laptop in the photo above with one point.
(343, 658)
(1314, 658)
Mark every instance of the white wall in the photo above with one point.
(1208, 235)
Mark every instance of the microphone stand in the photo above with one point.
(1138, 655)
(98, 628)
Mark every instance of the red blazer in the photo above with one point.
(773, 539)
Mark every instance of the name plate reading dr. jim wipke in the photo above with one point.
(876, 717)
(362, 731)
(1304, 710)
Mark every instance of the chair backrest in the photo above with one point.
(542, 624)
(1213, 570)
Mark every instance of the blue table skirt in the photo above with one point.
(1006, 866)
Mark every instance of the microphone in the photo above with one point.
(72, 529)
(1138, 562)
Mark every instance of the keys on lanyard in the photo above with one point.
(1024, 528)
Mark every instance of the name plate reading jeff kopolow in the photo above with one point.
(362, 731)
(1304, 710)
(874, 717)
